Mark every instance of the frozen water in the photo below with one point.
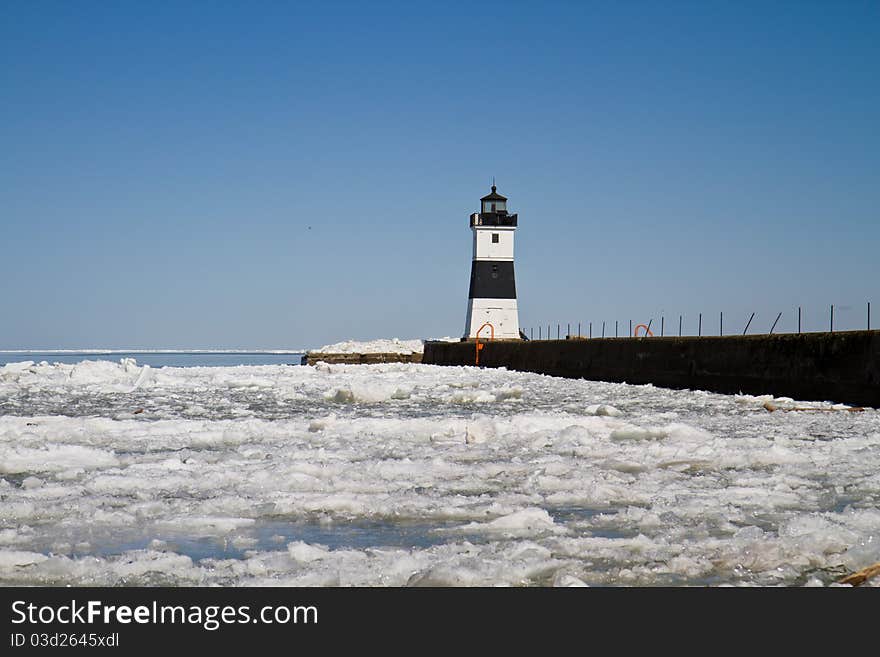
(158, 357)
(403, 474)
(392, 346)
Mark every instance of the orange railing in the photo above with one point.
(479, 345)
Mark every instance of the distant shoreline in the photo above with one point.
(178, 352)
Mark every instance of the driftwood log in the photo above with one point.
(859, 577)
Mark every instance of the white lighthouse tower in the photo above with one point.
(492, 295)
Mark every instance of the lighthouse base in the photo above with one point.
(500, 313)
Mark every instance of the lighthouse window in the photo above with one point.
(494, 271)
(494, 238)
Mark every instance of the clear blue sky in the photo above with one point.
(280, 174)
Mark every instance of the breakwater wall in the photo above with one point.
(842, 367)
(312, 357)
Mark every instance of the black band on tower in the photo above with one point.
(492, 279)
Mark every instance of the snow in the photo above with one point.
(392, 346)
(52, 458)
(407, 474)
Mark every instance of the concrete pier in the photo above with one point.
(312, 357)
(841, 367)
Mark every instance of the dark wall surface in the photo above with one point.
(492, 279)
(313, 357)
(842, 367)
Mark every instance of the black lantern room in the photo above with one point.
(493, 211)
(494, 203)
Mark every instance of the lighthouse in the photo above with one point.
(492, 296)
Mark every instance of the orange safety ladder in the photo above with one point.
(479, 345)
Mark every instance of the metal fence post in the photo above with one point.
(603, 329)
(679, 326)
(774, 323)
(869, 315)
(721, 323)
(799, 320)
(615, 326)
(832, 318)
(662, 325)
(748, 323)
(591, 330)
(700, 326)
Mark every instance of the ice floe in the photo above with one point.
(113, 473)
